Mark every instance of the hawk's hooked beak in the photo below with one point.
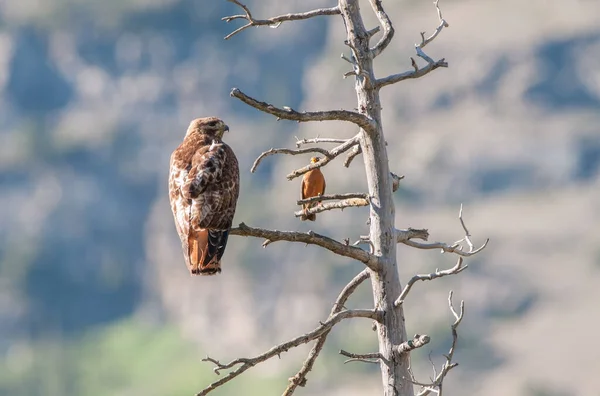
(225, 128)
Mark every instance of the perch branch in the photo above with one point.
(426, 277)
(300, 378)
(343, 204)
(456, 247)
(332, 196)
(388, 29)
(289, 114)
(310, 238)
(448, 364)
(431, 64)
(275, 21)
(300, 142)
(365, 358)
(244, 364)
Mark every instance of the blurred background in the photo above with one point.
(94, 95)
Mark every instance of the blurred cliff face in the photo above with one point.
(95, 95)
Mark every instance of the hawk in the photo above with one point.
(313, 184)
(204, 185)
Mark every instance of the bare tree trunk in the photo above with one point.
(382, 268)
(386, 283)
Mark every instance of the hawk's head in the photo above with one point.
(211, 126)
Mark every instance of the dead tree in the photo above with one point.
(380, 259)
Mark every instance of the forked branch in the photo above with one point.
(243, 364)
(459, 267)
(300, 378)
(275, 21)
(436, 385)
(431, 64)
(328, 155)
(456, 247)
(386, 23)
(310, 238)
(287, 113)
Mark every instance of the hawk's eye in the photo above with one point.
(212, 124)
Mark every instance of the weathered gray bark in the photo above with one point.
(385, 281)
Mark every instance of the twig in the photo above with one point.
(431, 64)
(275, 21)
(310, 238)
(289, 114)
(300, 142)
(388, 29)
(411, 233)
(454, 248)
(365, 358)
(246, 363)
(434, 275)
(356, 150)
(334, 152)
(343, 204)
(448, 365)
(417, 342)
(443, 24)
(331, 197)
(300, 378)
(273, 151)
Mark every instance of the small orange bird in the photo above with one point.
(313, 185)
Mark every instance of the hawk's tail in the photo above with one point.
(310, 216)
(206, 247)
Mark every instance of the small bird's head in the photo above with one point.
(314, 160)
(211, 126)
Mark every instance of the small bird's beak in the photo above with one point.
(226, 128)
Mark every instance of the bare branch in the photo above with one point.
(456, 247)
(395, 78)
(431, 64)
(417, 342)
(448, 365)
(332, 196)
(275, 21)
(365, 358)
(300, 142)
(300, 378)
(343, 204)
(289, 114)
(445, 247)
(443, 24)
(246, 363)
(328, 155)
(434, 275)
(310, 238)
(273, 151)
(388, 29)
(334, 152)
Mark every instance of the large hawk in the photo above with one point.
(313, 184)
(203, 190)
